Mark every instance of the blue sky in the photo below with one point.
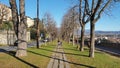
(58, 8)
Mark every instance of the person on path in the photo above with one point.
(59, 43)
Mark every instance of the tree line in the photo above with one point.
(87, 11)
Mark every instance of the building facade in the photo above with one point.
(6, 15)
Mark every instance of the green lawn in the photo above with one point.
(3, 45)
(40, 58)
(81, 60)
(36, 58)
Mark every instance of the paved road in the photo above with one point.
(108, 50)
(33, 44)
(13, 48)
(7, 48)
(58, 59)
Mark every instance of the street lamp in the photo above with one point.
(37, 28)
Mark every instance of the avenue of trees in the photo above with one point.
(50, 26)
(69, 24)
(88, 11)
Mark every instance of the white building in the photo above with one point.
(30, 22)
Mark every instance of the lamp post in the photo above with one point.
(37, 28)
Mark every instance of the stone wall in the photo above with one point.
(9, 37)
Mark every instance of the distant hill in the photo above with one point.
(108, 32)
(87, 32)
(98, 32)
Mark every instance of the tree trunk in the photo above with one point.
(69, 38)
(37, 38)
(22, 43)
(92, 36)
(15, 18)
(7, 37)
(73, 39)
(1, 22)
(10, 38)
(82, 38)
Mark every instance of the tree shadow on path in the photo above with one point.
(63, 52)
(62, 60)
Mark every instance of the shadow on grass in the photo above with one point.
(53, 46)
(63, 52)
(70, 49)
(61, 60)
(12, 53)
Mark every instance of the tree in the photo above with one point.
(6, 25)
(20, 27)
(33, 33)
(50, 26)
(65, 29)
(83, 19)
(94, 9)
(73, 20)
(41, 28)
(4, 13)
(15, 18)
(69, 24)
